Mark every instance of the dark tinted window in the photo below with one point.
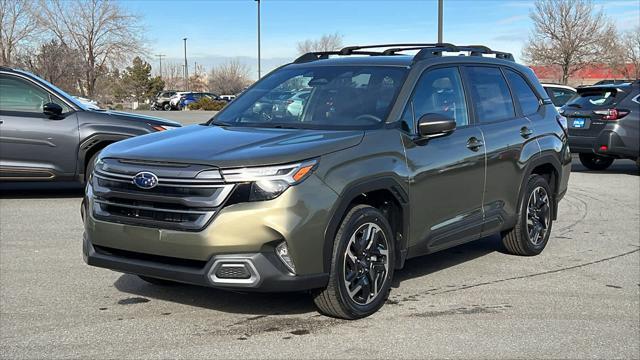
(593, 98)
(491, 94)
(522, 91)
(440, 91)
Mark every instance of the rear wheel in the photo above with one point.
(595, 162)
(166, 107)
(361, 267)
(533, 227)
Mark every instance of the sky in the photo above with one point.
(221, 29)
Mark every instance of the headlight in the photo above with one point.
(269, 182)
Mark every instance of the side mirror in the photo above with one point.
(433, 125)
(52, 110)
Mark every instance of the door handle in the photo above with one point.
(525, 132)
(474, 144)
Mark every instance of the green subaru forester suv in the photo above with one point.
(331, 171)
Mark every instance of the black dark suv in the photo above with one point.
(604, 124)
(390, 156)
(47, 135)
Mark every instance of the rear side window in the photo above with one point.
(528, 100)
(490, 94)
(591, 99)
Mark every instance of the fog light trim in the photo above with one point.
(248, 265)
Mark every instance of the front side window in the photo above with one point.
(318, 97)
(20, 95)
(440, 91)
(490, 94)
(528, 100)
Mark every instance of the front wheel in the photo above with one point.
(361, 266)
(533, 227)
(595, 162)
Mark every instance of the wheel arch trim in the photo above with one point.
(348, 196)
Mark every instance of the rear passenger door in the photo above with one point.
(508, 136)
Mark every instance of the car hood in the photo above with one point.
(226, 147)
(138, 117)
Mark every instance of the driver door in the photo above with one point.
(33, 146)
(447, 172)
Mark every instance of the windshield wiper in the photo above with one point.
(575, 105)
(220, 123)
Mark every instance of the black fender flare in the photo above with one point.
(347, 197)
(534, 162)
(90, 142)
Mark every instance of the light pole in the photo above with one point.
(186, 69)
(440, 21)
(259, 70)
(160, 56)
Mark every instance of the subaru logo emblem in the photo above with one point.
(145, 180)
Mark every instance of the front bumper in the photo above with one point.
(267, 273)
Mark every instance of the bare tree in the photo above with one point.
(18, 25)
(101, 30)
(325, 43)
(625, 54)
(566, 33)
(55, 62)
(172, 75)
(229, 78)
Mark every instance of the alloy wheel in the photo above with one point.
(538, 215)
(366, 263)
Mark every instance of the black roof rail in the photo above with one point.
(426, 50)
(474, 50)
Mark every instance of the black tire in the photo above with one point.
(335, 300)
(90, 165)
(156, 281)
(595, 162)
(519, 240)
(166, 107)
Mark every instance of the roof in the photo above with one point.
(558, 86)
(379, 60)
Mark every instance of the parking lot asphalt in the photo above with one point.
(183, 117)
(578, 299)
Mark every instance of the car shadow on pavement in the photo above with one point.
(255, 303)
(249, 303)
(432, 263)
(40, 190)
(624, 167)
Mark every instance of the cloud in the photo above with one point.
(511, 20)
(510, 38)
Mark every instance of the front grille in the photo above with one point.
(179, 201)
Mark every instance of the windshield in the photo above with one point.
(318, 97)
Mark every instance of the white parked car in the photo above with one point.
(174, 100)
(559, 94)
(92, 104)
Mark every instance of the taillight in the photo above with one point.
(611, 114)
(563, 123)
